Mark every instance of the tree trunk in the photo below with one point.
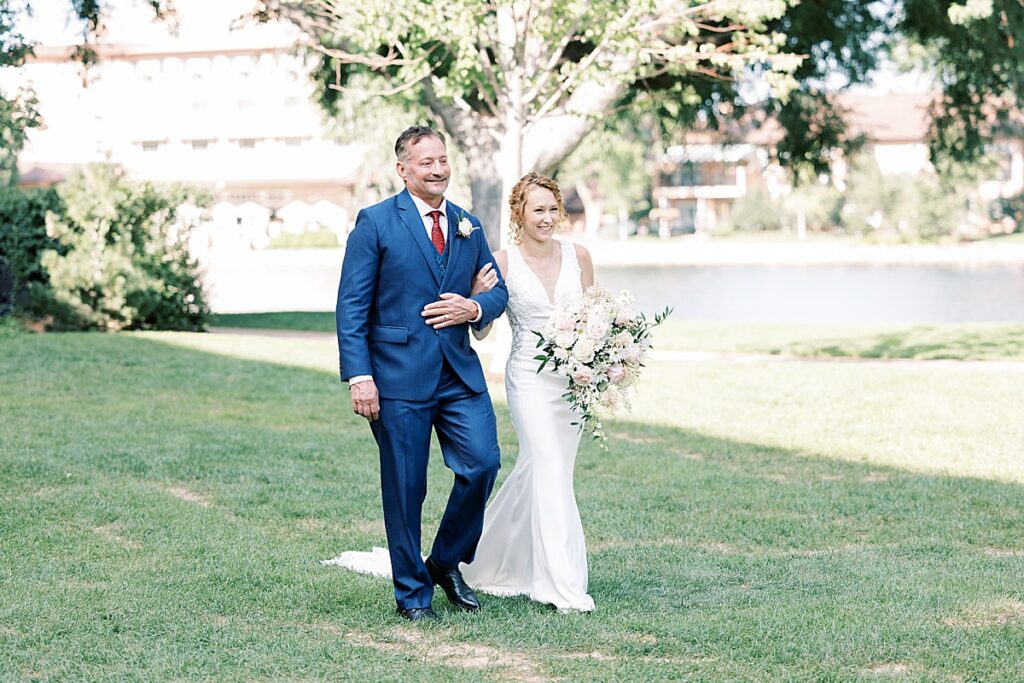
(593, 209)
(486, 189)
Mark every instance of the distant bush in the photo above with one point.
(903, 207)
(121, 259)
(754, 211)
(23, 240)
(818, 203)
(1011, 208)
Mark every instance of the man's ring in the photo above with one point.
(444, 317)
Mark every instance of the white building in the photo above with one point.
(697, 183)
(228, 110)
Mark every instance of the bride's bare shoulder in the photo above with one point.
(582, 255)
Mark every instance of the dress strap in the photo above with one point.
(570, 264)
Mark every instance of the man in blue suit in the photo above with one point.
(403, 316)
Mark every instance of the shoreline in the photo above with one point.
(681, 251)
(686, 251)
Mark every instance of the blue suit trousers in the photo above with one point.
(466, 429)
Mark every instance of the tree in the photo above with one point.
(518, 84)
(976, 51)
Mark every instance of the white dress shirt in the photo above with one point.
(424, 210)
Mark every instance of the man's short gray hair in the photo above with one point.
(410, 136)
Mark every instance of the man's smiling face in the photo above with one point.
(425, 169)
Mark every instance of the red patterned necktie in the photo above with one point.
(436, 236)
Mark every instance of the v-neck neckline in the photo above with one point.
(561, 263)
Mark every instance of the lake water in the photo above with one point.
(782, 293)
(827, 293)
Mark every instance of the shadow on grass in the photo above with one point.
(165, 511)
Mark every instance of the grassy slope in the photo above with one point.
(166, 498)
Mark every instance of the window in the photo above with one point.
(293, 142)
(200, 145)
(686, 220)
(151, 145)
(198, 67)
(247, 143)
(245, 104)
(292, 102)
(198, 105)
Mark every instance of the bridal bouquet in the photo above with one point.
(599, 343)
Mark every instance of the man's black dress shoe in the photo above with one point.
(419, 613)
(454, 586)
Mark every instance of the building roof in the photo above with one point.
(893, 117)
(705, 153)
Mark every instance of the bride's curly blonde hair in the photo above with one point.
(517, 203)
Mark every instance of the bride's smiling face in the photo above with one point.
(540, 214)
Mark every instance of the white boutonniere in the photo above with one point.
(465, 228)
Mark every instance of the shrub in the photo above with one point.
(754, 211)
(23, 240)
(123, 260)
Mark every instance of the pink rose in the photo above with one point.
(597, 329)
(616, 374)
(583, 376)
(633, 354)
(625, 316)
(564, 323)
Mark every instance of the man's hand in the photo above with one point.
(450, 309)
(365, 400)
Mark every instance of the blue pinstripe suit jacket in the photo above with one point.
(390, 272)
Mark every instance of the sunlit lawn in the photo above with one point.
(965, 341)
(166, 499)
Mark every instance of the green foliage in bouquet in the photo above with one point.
(599, 343)
(123, 260)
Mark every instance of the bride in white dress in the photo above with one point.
(532, 542)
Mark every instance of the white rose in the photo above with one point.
(465, 227)
(622, 340)
(561, 354)
(564, 339)
(584, 350)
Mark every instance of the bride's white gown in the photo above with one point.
(532, 542)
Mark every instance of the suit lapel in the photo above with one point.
(454, 241)
(414, 223)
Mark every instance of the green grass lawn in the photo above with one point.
(165, 499)
(304, 321)
(962, 341)
(965, 341)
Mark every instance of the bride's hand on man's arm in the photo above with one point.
(484, 281)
